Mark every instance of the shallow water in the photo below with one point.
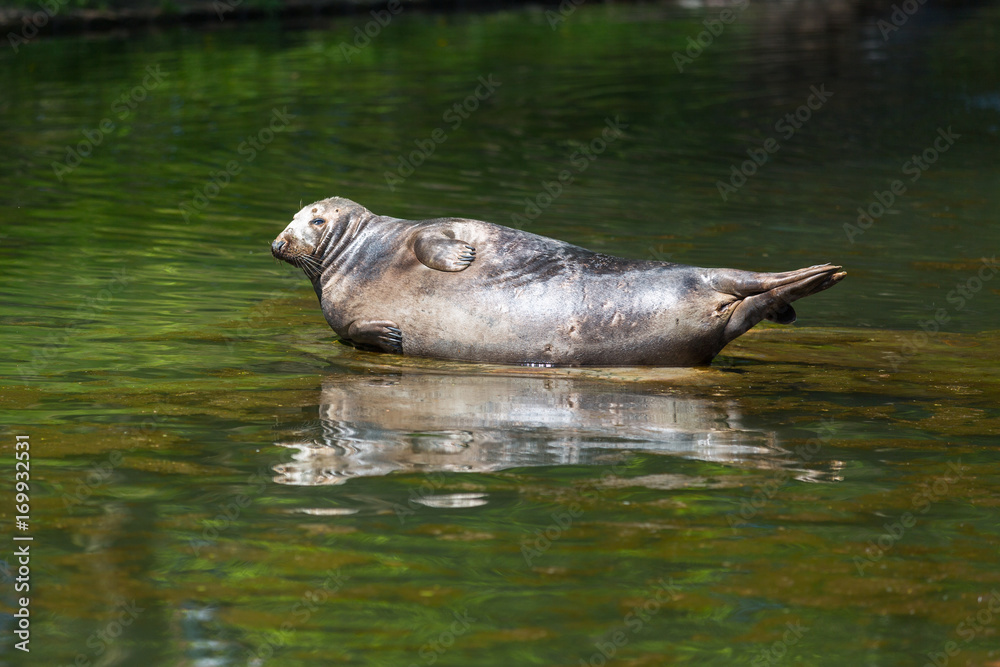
(216, 481)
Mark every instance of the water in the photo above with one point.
(208, 464)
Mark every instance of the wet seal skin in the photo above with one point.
(452, 288)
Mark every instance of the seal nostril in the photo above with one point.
(277, 245)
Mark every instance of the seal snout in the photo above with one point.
(277, 245)
(290, 249)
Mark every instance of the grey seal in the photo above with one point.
(453, 288)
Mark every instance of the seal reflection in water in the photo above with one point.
(370, 426)
(462, 289)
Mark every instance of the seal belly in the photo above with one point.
(569, 317)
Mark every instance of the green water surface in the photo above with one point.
(216, 481)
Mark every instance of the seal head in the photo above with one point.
(316, 232)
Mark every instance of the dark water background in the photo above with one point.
(215, 481)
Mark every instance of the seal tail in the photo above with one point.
(768, 296)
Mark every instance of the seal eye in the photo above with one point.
(317, 221)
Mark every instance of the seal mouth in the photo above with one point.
(305, 261)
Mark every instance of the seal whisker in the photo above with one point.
(311, 265)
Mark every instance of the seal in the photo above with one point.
(453, 288)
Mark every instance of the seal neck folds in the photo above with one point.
(332, 252)
(337, 238)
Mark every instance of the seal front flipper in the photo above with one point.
(379, 335)
(442, 253)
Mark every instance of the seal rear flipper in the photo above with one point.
(783, 315)
(761, 296)
(436, 251)
(378, 335)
